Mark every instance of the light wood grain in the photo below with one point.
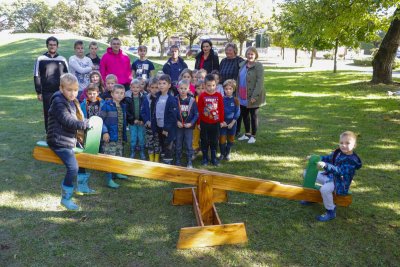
(205, 198)
(183, 196)
(212, 235)
(158, 171)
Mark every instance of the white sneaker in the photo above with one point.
(243, 137)
(252, 140)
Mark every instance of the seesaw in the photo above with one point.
(207, 189)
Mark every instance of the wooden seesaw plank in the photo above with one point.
(158, 171)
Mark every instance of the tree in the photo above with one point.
(383, 60)
(239, 19)
(140, 26)
(28, 16)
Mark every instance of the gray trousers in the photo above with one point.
(184, 136)
(327, 188)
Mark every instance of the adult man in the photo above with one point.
(116, 62)
(175, 64)
(46, 74)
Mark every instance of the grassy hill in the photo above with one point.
(136, 225)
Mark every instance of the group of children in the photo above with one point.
(165, 119)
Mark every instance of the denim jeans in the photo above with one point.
(137, 134)
(184, 136)
(67, 156)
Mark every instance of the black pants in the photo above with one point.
(253, 118)
(46, 97)
(166, 145)
(209, 134)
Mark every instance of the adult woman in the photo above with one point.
(251, 93)
(207, 59)
(229, 67)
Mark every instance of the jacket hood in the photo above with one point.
(356, 159)
(58, 97)
(110, 51)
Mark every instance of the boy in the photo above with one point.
(211, 111)
(199, 88)
(111, 80)
(231, 114)
(142, 67)
(134, 119)
(148, 112)
(65, 118)
(187, 118)
(91, 105)
(113, 113)
(166, 110)
(80, 66)
(93, 47)
(339, 169)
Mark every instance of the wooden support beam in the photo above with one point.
(183, 196)
(212, 235)
(196, 209)
(158, 171)
(205, 197)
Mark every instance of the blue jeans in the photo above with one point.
(184, 136)
(137, 134)
(67, 156)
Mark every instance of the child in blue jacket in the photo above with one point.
(186, 121)
(232, 112)
(166, 109)
(339, 169)
(113, 113)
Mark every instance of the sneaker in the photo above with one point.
(306, 203)
(329, 215)
(243, 137)
(252, 140)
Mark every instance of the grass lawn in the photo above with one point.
(136, 225)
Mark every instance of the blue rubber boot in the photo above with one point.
(121, 176)
(329, 215)
(110, 182)
(142, 154)
(82, 185)
(66, 198)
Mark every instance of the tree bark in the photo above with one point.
(383, 60)
(283, 53)
(295, 55)
(335, 56)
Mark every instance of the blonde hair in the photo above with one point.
(112, 77)
(185, 71)
(135, 82)
(252, 49)
(231, 83)
(68, 78)
(349, 134)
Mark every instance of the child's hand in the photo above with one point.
(136, 121)
(321, 164)
(148, 124)
(188, 125)
(165, 133)
(140, 122)
(308, 157)
(230, 125)
(106, 137)
(222, 124)
(253, 100)
(198, 126)
(180, 125)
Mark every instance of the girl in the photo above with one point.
(95, 78)
(187, 74)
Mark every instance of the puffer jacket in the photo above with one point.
(63, 122)
(109, 114)
(341, 169)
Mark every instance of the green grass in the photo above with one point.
(136, 225)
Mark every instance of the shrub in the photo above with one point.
(328, 56)
(367, 61)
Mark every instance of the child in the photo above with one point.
(65, 118)
(187, 118)
(142, 85)
(211, 111)
(134, 119)
(231, 114)
(220, 88)
(95, 78)
(80, 66)
(201, 74)
(199, 86)
(186, 74)
(194, 75)
(339, 169)
(92, 104)
(148, 113)
(142, 67)
(93, 47)
(165, 115)
(113, 114)
(111, 80)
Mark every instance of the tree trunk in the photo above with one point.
(241, 49)
(283, 53)
(313, 53)
(383, 60)
(295, 55)
(335, 56)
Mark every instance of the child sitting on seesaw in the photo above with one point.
(65, 119)
(339, 169)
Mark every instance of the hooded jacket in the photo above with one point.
(117, 64)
